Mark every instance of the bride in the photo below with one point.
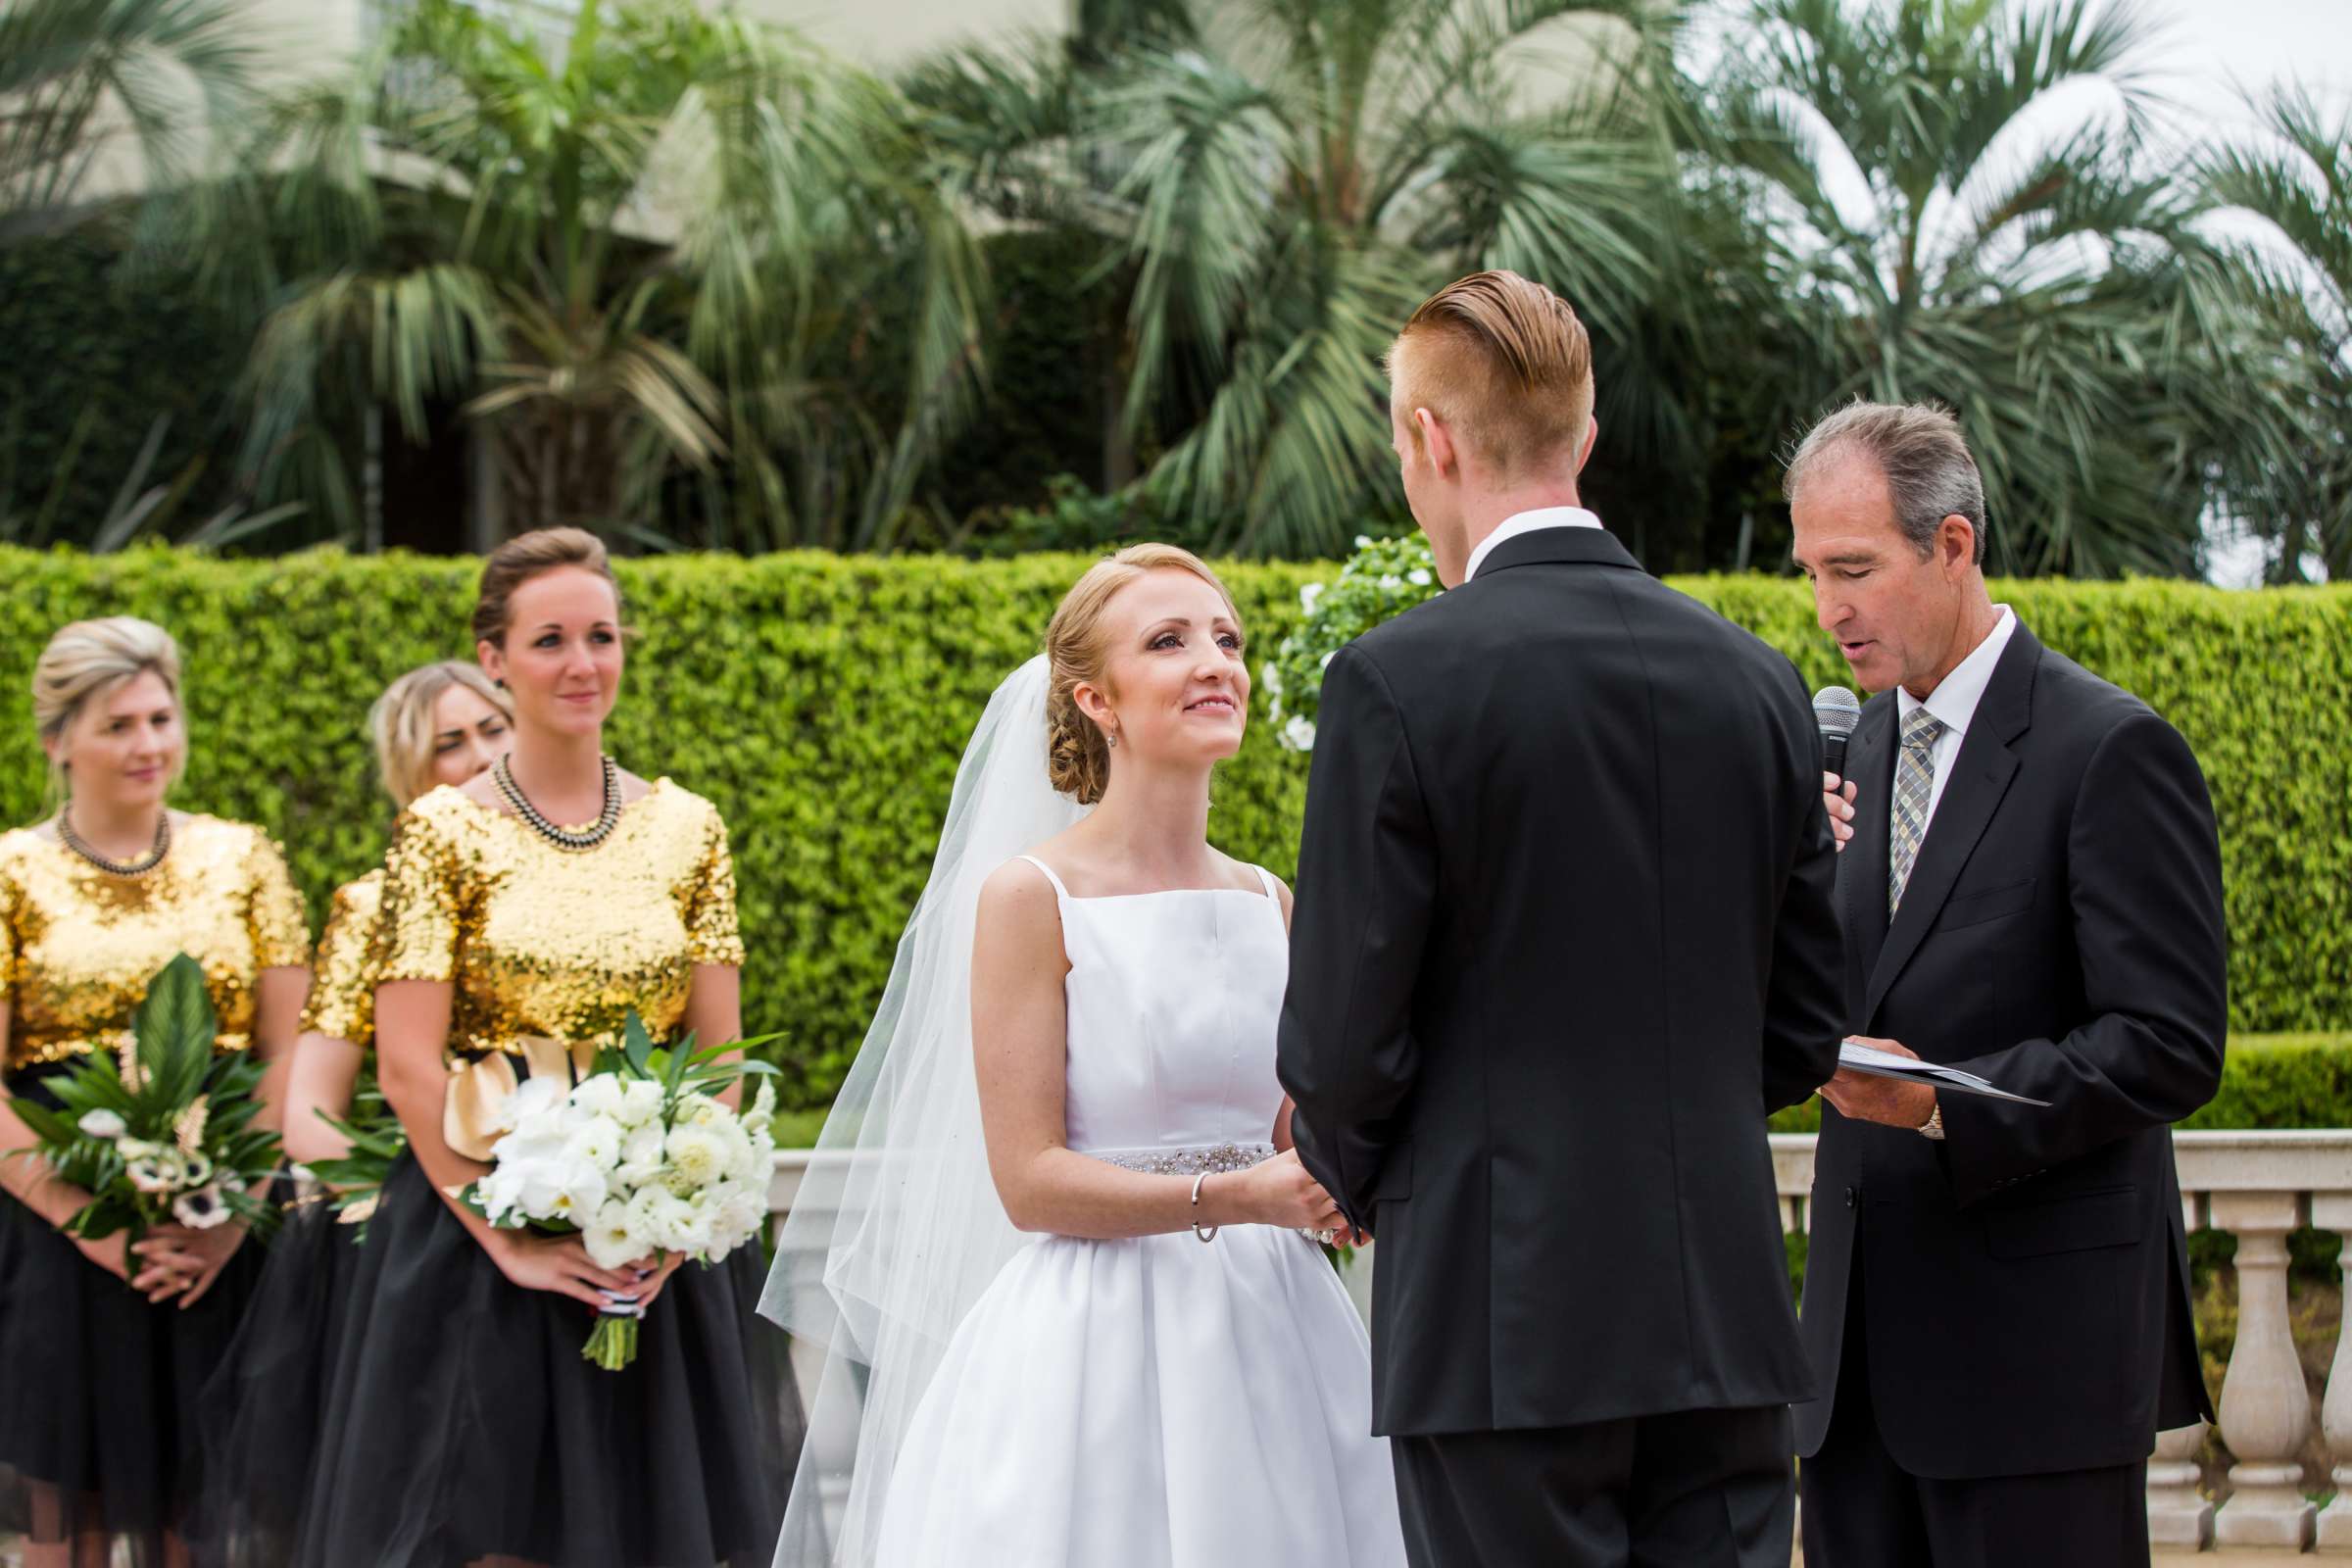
(1053, 1234)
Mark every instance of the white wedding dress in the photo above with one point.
(1157, 1403)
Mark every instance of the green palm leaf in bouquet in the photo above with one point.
(164, 1130)
(375, 1139)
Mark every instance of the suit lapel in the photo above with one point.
(1870, 763)
(1981, 776)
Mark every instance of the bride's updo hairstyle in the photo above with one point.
(535, 555)
(1077, 650)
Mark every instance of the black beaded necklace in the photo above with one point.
(139, 867)
(562, 838)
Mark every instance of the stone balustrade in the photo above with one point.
(2258, 1186)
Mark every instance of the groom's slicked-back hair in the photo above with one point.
(1504, 363)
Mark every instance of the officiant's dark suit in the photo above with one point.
(1563, 938)
(1999, 1319)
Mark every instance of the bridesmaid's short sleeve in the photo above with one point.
(711, 933)
(417, 938)
(342, 1005)
(11, 898)
(280, 925)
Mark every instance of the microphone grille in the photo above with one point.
(1837, 711)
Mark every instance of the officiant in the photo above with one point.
(1996, 1297)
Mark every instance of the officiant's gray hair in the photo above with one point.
(1919, 448)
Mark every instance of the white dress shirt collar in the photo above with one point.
(1511, 527)
(1954, 700)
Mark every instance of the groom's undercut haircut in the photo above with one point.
(1504, 363)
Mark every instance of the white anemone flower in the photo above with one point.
(201, 1210)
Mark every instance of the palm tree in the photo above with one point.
(78, 78)
(647, 261)
(2049, 288)
(1287, 179)
(2299, 180)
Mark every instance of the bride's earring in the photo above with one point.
(1110, 738)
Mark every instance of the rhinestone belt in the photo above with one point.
(1212, 1158)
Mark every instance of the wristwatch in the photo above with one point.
(1933, 1128)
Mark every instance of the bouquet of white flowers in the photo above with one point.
(639, 1159)
(166, 1134)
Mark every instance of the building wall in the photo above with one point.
(887, 33)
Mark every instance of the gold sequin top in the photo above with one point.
(556, 943)
(79, 947)
(342, 1002)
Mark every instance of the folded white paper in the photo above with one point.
(1856, 1057)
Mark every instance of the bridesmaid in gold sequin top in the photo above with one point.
(463, 1425)
(103, 1348)
(260, 1415)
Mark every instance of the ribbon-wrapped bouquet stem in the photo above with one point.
(639, 1157)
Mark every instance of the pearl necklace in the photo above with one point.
(562, 838)
(139, 867)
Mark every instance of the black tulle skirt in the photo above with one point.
(460, 1421)
(260, 1417)
(99, 1391)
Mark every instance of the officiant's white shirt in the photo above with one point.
(1519, 522)
(1954, 702)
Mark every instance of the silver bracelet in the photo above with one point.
(1211, 1234)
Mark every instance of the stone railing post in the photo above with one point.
(2265, 1412)
(2332, 1211)
(2179, 1517)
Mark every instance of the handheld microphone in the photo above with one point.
(1837, 711)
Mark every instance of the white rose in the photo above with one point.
(597, 1140)
(600, 1096)
(533, 1098)
(640, 1156)
(698, 1156)
(699, 1110)
(662, 1219)
(201, 1210)
(640, 1101)
(104, 1124)
(610, 1240)
(1299, 733)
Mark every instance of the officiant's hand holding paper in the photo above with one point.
(1888, 1101)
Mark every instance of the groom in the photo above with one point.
(1564, 935)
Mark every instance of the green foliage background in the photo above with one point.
(94, 356)
(822, 702)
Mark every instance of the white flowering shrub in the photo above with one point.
(1384, 579)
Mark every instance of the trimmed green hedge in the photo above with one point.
(822, 702)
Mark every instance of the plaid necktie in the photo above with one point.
(1914, 787)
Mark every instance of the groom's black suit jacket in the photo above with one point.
(2025, 1282)
(1564, 934)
